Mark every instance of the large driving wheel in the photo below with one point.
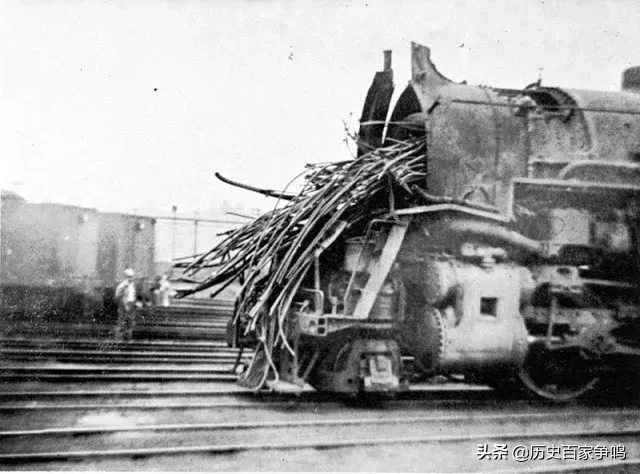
(556, 374)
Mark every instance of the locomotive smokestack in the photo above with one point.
(631, 79)
(387, 60)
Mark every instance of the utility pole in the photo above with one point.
(195, 233)
(174, 209)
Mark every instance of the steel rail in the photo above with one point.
(181, 324)
(101, 341)
(479, 402)
(78, 359)
(309, 423)
(324, 444)
(307, 395)
(202, 352)
(126, 393)
(21, 357)
(139, 376)
(231, 353)
(105, 368)
(136, 406)
(25, 327)
(312, 399)
(132, 348)
(137, 360)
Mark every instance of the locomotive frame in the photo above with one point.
(523, 266)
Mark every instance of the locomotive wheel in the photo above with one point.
(329, 361)
(558, 375)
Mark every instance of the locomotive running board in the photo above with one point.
(379, 270)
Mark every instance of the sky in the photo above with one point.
(133, 106)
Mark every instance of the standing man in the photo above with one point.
(126, 299)
(164, 290)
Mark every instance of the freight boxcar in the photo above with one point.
(48, 256)
(61, 263)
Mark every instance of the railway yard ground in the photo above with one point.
(72, 399)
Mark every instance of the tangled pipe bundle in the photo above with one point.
(334, 197)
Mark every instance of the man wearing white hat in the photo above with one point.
(126, 298)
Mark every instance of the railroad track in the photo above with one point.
(426, 431)
(94, 360)
(168, 403)
(191, 332)
(93, 343)
(187, 319)
(99, 351)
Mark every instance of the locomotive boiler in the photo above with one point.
(519, 263)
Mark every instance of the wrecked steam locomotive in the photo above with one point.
(517, 259)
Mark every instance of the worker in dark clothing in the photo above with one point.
(127, 301)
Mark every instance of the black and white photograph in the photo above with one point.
(337, 236)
